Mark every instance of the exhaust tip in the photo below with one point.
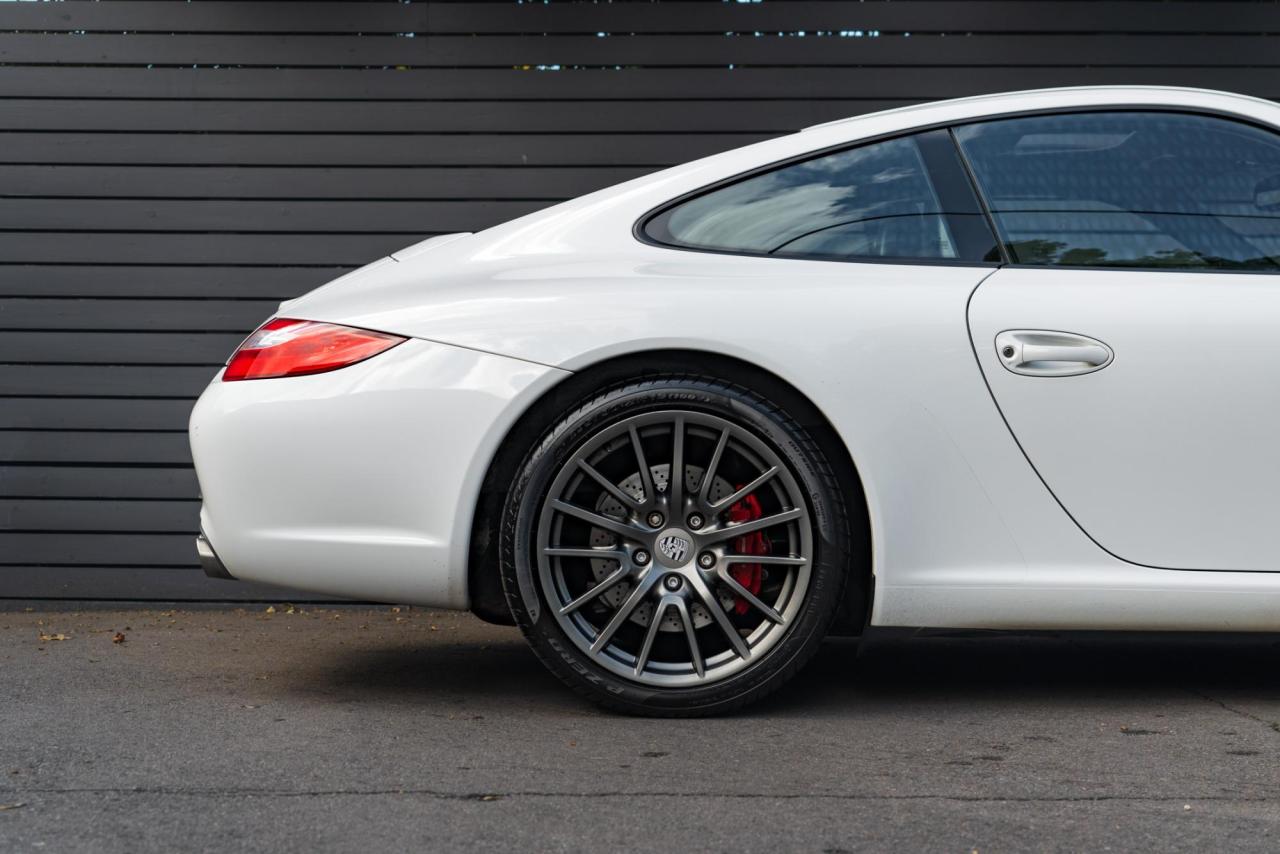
(209, 560)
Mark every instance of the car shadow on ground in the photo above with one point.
(889, 666)
(1053, 667)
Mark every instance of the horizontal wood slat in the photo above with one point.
(240, 216)
(296, 117)
(92, 413)
(142, 549)
(238, 182)
(502, 51)
(602, 149)
(96, 482)
(268, 282)
(140, 315)
(123, 347)
(107, 247)
(738, 84)
(710, 16)
(108, 516)
(104, 380)
(89, 447)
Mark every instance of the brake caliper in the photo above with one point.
(749, 575)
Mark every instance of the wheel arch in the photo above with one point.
(483, 583)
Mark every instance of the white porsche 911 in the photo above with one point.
(1008, 362)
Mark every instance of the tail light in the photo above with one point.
(285, 347)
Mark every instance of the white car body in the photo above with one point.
(362, 482)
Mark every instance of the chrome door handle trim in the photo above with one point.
(1046, 353)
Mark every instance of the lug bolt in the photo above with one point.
(672, 582)
(655, 520)
(641, 557)
(706, 560)
(695, 520)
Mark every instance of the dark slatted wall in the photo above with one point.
(170, 170)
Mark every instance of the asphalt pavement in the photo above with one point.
(384, 730)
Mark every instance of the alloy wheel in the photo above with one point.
(674, 548)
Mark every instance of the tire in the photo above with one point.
(614, 570)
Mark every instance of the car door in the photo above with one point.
(1132, 343)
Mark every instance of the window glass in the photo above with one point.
(871, 202)
(1161, 190)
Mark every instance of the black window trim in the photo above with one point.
(639, 233)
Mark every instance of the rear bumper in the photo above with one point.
(360, 482)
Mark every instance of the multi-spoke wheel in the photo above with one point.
(674, 580)
(675, 546)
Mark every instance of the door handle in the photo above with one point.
(1042, 353)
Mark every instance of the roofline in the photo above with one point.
(1019, 94)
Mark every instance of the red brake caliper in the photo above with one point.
(749, 575)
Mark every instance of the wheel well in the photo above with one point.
(483, 582)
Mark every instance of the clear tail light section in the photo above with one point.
(285, 347)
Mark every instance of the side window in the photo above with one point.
(871, 202)
(1150, 190)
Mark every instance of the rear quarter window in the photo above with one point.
(875, 201)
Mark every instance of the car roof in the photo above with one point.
(1063, 97)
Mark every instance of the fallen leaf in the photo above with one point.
(13, 806)
(118, 637)
(59, 636)
(271, 609)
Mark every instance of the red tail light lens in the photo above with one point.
(288, 348)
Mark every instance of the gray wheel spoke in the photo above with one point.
(746, 490)
(646, 476)
(730, 531)
(654, 624)
(710, 473)
(643, 585)
(603, 554)
(675, 479)
(695, 651)
(774, 559)
(616, 526)
(712, 604)
(610, 580)
(753, 600)
(609, 486)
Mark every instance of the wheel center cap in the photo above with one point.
(674, 548)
